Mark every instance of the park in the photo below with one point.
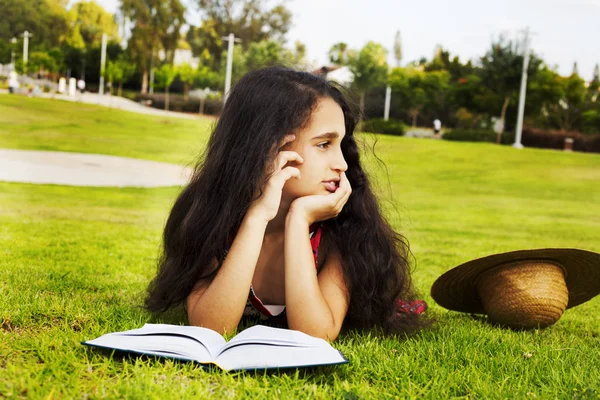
(77, 257)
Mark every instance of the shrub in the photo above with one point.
(176, 103)
(591, 121)
(549, 139)
(379, 125)
(478, 135)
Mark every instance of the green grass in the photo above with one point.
(74, 263)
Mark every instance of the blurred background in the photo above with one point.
(460, 64)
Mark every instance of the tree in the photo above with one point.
(370, 68)
(250, 20)
(572, 101)
(165, 75)
(89, 21)
(501, 69)
(113, 73)
(47, 20)
(119, 71)
(187, 76)
(264, 54)
(339, 53)
(418, 90)
(156, 24)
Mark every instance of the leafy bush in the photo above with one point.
(591, 121)
(531, 137)
(379, 125)
(549, 139)
(176, 103)
(478, 135)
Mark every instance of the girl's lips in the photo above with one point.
(331, 186)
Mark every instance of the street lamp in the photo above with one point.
(230, 39)
(102, 62)
(26, 35)
(12, 54)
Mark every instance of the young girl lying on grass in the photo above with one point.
(279, 220)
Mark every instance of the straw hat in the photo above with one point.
(521, 289)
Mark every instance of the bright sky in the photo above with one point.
(564, 31)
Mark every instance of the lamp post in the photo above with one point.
(102, 62)
(230, 42)
(26, 35)
(517, 144)
(12, 53)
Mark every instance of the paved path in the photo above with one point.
(120, 103)
(77, 169)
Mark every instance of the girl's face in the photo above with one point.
(319, 144)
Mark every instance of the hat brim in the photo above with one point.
(457, 290)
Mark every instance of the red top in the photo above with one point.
(256, 308)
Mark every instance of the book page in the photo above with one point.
(196, 343)
(261, 334)
(176, 346)
(256, 356)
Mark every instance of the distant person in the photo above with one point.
(437, 126)
(13, 82)
(280, 222)
(81, 86)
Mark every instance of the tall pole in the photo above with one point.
(230, 44)
(522, 93)
(12, 54)
(388, 89)
(102, 62)
(26, 35)
(231, 39)
(388, 98)
(151, 90)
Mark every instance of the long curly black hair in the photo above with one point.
(262, 108)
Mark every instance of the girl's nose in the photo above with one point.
(339, 163)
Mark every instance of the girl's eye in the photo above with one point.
(324, 145)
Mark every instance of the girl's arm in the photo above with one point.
(219, 305)
(315, 305)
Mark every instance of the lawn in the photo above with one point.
(74, 264)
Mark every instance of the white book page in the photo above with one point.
(201, 344)
(257, 356)
(260, 334)
(209, 338)
(183, 347)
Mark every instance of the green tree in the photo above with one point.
(187, 76)
(89, 21)
(165, 75)
(263, 54)
(156, 24)
(119, 71)
(340, 54)
(500, 72)
(370, 68)
(113, 73)
(417, 90)
(47, 20)
(251, 21)
(206, 78)
(571, 104)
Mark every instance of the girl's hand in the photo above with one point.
(266, 206)
(317, 208)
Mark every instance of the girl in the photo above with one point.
(279, 220)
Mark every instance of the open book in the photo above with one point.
(258, 347)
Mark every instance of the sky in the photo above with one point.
(563, 31)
